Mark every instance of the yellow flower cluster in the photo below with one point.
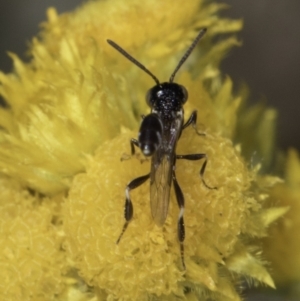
(147, 260)
(283, 246)
(69, 117)
(30, 257)
(68, 99)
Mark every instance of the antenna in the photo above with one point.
(133, 60)
(188, 52)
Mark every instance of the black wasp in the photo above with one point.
(158, 136)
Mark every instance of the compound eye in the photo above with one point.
(150, 97)
(185, 94)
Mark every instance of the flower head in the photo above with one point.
(30, 256)
(283, 241)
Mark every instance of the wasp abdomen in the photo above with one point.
(150, 134)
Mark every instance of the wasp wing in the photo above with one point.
(161, 172)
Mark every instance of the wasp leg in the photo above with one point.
(128, 208)
(192, 121)
(202, 170)
(180, 226)
(133, 142)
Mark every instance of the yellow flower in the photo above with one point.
(70, 97)
(283, 246)
(73, 109)
(30, 257)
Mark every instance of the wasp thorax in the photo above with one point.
(150, 134)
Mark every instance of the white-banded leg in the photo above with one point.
(133, 142)
(194, 157)
(180, 222)
(128, 208)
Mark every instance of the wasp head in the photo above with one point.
(167, 97)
